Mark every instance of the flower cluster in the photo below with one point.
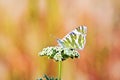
(59, 53)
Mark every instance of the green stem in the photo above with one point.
(59, 70)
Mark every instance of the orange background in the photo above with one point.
(27, 26)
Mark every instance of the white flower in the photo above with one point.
(49, 51)
(42, 53)
(68, 52)
(58, 57)
(76, 54)
(59, 53)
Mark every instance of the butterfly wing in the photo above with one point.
(75, 39)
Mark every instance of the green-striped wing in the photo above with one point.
(75, 39)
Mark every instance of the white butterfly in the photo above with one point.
(76, 39)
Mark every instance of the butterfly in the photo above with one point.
(76, 39)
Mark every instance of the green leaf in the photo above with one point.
(45, 76)
(39, 79)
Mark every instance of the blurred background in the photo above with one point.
(27, 26)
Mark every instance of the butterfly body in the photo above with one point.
(76, 39)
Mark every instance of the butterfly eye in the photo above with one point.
(72, 33)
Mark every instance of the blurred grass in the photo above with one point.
(27, 26)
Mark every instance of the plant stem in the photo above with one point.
(59, 70)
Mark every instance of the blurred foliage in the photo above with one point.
(27, 26)
(48, 78)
